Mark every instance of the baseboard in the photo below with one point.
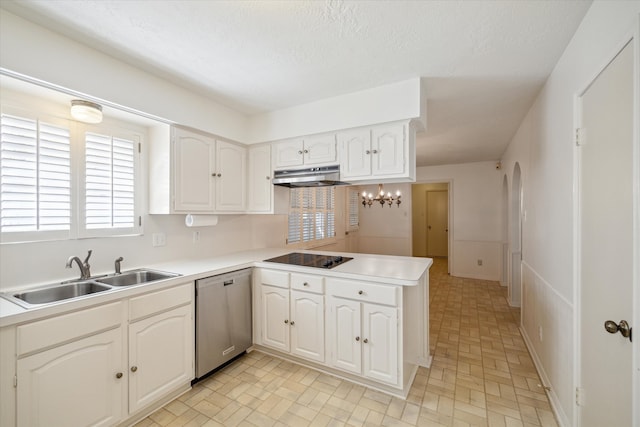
(561, 417)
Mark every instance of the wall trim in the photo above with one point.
(561, 416)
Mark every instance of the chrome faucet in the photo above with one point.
(85, 268)
(117, 264)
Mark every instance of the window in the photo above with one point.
(311, 214)
(353, 203)
(109, 182)
(52, 168)
(35, 179)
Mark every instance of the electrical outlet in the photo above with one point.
(196, 236)
(159, 239)
(480, 262)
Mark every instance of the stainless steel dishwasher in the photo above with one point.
(223, 319)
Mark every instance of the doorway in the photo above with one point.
(430, 220)
(606, 244)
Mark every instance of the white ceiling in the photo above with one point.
(483, 62)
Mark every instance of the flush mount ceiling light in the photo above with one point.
(85, 111)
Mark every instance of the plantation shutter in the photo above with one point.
(353, 203)
(311, 214)
(109, 182)
(35, 185)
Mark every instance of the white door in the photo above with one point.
(437, 223)
(160, 356)
(194, 157)
(275, 317)
(77, 384)
(380, 342)
(307, 325)
(606, 245)
(345, 335)
(231, 172)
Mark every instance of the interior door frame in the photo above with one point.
(450, 208)
(632, 36)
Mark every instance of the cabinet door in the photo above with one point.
(307, 325)
(275, 317)
(355, 154)
(230, 180)
(320, 149)
(75, 384)
(388, 150)
(288, 153)
(160, 355)
(194, 158)
(260, 187)
(380, 342)
(344, 334)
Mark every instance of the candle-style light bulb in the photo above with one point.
(398, 193)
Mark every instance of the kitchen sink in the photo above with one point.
(55, 293)
(136, 277)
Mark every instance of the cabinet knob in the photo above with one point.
(134, 368)
(357, 338)
(219, 175)
(306, 151)
(268, 178)
(365, 341)
(119, 375)
(375, 151)
(305, 284)
(293, 323)
(213, 174)
(286, 321)
(360, 292)
(367, 152)
(299, 151)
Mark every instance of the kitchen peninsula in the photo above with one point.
(365, 320)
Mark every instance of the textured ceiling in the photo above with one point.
(482, 62)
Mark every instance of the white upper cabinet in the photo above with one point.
(194, 179)
(192, 172)
(384, 153)
(230, 180)
(260, 189)
(308, 151)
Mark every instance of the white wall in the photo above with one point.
(475, 211)
(543, 146)
(386, 230)
(397, 101)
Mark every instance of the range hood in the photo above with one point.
(321, 176)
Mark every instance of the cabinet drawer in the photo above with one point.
(307, 283)
(58, 330)
(274, 278)
(361, 291)
(156, 302)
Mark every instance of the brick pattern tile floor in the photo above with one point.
(481, 375)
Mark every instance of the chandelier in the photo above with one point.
(381, 197)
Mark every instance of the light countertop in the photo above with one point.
(392, 270)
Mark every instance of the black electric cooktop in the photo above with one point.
(310, 260)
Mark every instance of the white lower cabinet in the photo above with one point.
(81, 383)
(291, 313)
(169, 335)
(79, 369)
(364, 339)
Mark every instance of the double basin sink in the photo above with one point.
(75, 289)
